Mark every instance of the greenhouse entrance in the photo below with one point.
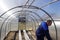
(24, 32)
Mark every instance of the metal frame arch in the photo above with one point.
(30, 11)
(33, 12)
(48, 15)
(34, 7)
(34, 17)
(23, 6)
(5, 20)
(31, 18)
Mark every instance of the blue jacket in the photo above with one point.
(43, 31)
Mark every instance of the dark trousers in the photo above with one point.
(40, 38)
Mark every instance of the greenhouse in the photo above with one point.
(19, 19)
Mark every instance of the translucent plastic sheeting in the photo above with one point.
(11, 10)
(26, 13)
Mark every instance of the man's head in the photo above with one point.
(49, 22)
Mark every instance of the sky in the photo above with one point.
(52, 9)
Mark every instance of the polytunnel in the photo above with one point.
(19, 19)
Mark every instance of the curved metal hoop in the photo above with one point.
(33, 7)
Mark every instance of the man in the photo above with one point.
(43, 30)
